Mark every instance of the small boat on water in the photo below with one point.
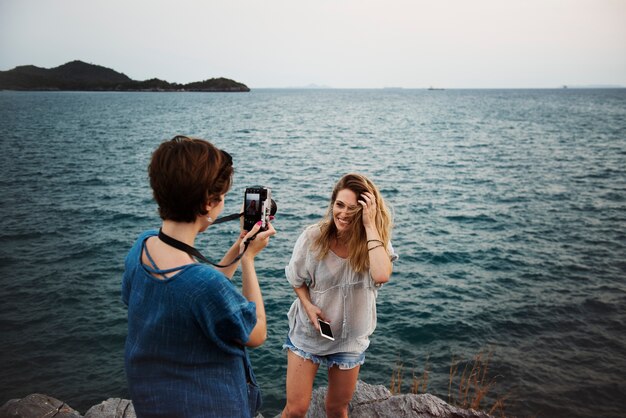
(434, 88)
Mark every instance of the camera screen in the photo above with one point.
(253, 203)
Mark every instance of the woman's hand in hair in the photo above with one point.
(368, 202)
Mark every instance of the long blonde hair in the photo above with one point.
(357, 241)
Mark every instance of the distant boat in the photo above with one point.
(564, 86)
(434, 88)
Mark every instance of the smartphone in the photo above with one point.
(325, 329)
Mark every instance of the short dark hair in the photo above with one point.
(186, 174)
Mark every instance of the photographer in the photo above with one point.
(336, 269)
(188, 325)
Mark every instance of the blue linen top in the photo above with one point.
(184, 355)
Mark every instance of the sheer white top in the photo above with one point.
(346, 298)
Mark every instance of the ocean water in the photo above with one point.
(510, 222)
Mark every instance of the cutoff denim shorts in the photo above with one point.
(345, 361)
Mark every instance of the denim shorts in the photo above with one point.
(345, 361)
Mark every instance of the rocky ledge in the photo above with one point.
(368, 401)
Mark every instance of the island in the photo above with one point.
(81, 76)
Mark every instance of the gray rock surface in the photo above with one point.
(369, 401)
(112, 408)
(376, 401)
(36, 406)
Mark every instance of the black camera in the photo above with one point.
(257, 206)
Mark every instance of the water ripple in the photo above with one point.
(508, 209)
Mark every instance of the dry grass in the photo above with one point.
(396, 380)
(419, 384)
(466, 390)
(473, 384)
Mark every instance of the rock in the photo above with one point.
(378, 402)
(37, 406)
(374, 401)
(415, 406)
(112, 408)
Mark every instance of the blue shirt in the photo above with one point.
(183, 354)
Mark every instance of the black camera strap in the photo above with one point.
(227, 218)
(173, 242)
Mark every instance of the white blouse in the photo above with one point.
(347, 299)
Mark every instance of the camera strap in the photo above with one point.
(227, 218)
(179, 245)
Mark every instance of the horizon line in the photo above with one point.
(432, 88)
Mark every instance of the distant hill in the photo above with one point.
(80, 76)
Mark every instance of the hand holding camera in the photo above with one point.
(256, 239)
(258, 211)
(258, 206)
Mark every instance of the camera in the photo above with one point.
(257, 206)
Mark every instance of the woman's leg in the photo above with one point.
(341, 385)
(300, 377)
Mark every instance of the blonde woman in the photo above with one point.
(336, 269)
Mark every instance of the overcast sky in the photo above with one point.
(336, 43)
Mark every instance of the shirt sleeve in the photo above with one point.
(224, 315)
(130, 265)
(296, 270)
(393, 256)
(125, 287)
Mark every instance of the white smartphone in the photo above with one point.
(325, 330)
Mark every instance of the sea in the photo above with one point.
(509, 214)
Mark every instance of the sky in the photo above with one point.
(334, 43)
